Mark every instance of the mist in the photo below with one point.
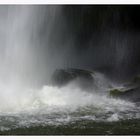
(27, 50)
(37, 40)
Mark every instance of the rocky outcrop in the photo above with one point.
(130, 91)
(91, 81)
(82, 78)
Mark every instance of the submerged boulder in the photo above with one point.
(130, 95)
(119, 92)
(82, 78)
(130, 91)
(115, 92)
(92, 81)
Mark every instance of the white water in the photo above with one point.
(17, 100)
(21, 61)
(58, 106)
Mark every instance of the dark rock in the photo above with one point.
(82, 78)
(86, 80)
(115, 92)
(130, 95)
(130, 91)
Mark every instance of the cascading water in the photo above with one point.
(23, 64)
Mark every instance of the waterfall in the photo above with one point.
(31, 48)
(25, 44)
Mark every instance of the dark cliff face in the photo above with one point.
(105, 37)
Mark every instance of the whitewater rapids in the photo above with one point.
(21, 107)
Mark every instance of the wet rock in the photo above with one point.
(130, 91)
(82, 78)
(115, 92)
(130, 95)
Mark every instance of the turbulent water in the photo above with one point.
(22, 63)
(58, 106)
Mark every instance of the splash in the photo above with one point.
(59, 106)
(23, 64)
(21, 100)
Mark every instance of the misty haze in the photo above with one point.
(69, 70)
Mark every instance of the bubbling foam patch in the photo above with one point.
(18, 100)
(23, 107)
